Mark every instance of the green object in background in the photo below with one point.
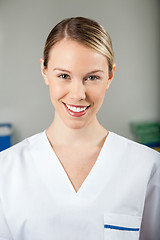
(143, 128)
(147, 133)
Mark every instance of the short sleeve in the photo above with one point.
(4, 230)
(150, 228)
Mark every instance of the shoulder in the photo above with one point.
(135, 152)
(131, 145)
(20, 151)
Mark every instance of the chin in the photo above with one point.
(76, 125)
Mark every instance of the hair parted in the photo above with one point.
(84, 30)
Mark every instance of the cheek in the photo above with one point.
(97, 95)
(56, 91)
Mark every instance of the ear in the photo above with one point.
(111, 75)
(44, 71)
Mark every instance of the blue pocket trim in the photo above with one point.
(121, 228)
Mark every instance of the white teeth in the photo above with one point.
(76, 109)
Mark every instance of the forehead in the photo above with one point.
(72, 54)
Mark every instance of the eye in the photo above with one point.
(64, 76)
(92, 78)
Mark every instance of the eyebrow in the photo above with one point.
(64, 70)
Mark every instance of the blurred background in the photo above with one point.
(135, 32)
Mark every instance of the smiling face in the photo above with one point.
(78, 78)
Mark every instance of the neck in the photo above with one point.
(60, 134)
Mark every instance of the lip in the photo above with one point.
(76, 114)
(80, 106)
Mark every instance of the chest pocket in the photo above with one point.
(121, 227)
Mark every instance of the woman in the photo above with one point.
(76, 180)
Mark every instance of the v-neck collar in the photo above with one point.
(57, 179)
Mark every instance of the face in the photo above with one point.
(78, 78)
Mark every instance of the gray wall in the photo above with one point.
(134, 93)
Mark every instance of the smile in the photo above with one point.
(76, 109)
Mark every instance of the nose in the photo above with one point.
(77, 91)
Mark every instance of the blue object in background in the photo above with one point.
(5, 136)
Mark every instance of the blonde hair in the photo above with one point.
(84, 30)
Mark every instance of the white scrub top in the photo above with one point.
(119, 199)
